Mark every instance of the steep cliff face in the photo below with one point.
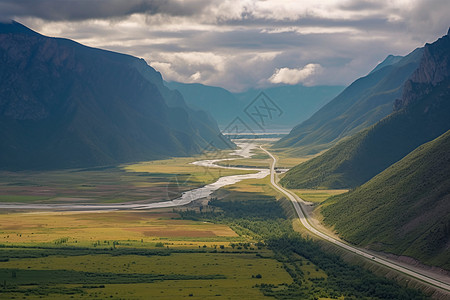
(433, 69)
(65, 105)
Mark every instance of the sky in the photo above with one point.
(244, 44)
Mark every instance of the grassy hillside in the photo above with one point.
(404, 210)
(422, 115)
(357, 159)
(362, 104)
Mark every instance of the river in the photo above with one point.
(244, 151)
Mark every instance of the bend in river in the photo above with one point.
(244, 151)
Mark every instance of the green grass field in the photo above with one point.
(206, 274)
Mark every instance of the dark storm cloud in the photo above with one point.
(374, 21)
(77, 10)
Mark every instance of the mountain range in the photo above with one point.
(365, 102)
(296, 102)
(65, 105)
(398, 170)
(420, 115)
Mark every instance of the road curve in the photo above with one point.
(383, 261)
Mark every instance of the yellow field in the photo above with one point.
(317, 196)
(259, 186)
(131, 226)
(182, 165)
(289, 159)
(247, 162)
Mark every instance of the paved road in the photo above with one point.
(383, 261)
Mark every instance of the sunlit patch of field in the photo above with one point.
(247, 162)
(286, 159)
(317, 196)
(259, 159)
(130, 227)
(182, 166)
(257, 186)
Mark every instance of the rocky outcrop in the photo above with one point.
(433, 69)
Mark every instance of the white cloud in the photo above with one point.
(196, 76)
(295, 76)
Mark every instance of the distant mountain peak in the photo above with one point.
(389, 60)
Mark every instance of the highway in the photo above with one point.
(296, 201)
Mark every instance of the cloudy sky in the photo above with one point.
(242, 44)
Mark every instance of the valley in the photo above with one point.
(232, 229)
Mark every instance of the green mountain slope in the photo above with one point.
(389, 60)
(404, 210)
(362, 104)
(65, 105)
(422, 115)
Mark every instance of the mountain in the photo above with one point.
(218, 102)
(296, 102)
(389, 60)
(362, 104)
(65, 105)
(404, 210)
(421, 114)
